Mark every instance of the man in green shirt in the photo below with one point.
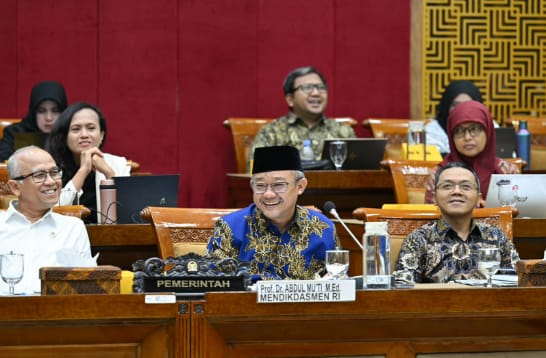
(306, 93)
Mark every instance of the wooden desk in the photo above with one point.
(122, 244)
(348, 189)
(90, 326)
(395, 323)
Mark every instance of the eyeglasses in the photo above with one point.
(460, 132)
(309, 87)
(40, 177)
(277, 188)
(450, 186)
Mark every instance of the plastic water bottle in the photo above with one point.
(524, 143)
(108, 211)
(307, 151)
(417, 143)
(377, 256)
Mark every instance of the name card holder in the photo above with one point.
(291, 291)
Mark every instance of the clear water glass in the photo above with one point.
(337, 264)
(489, 260)
(338, 153)
(11, 269)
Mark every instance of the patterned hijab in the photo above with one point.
(484, 163)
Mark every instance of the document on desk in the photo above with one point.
(497, 281)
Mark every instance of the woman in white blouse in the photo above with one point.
(75, 143)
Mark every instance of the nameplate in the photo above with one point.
(193, 284)
(290, 291)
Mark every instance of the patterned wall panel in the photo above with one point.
(498, 44)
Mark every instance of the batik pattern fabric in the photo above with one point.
(434, 253)
(291, 130)
(248, 236)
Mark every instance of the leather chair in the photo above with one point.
(243, 131)
(409, 178)
(180, 231)
(402, 222)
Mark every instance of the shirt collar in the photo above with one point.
(444, 227)
(13, 214)
(295, 220)
(293, 119)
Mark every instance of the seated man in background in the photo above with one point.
(278, 238)
(29, 227)
(306, 93)
(445, 250)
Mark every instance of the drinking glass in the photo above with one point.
(338, 153)
(337, 264)
(11, 269)
(489, 262)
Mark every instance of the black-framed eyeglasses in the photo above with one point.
(460, 132)
(449, 186)
(277, 188)
(40, 176)
(309, 87)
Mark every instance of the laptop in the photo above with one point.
(25, 139)
(362, 153)
(526, 191)
(134, 193)
(506, 142)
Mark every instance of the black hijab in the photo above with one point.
(46, 90)
(454, 89)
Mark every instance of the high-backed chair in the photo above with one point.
(409, 178)
(4, 122)
(403, 222)
(243, 131)
(537, 128)
(394, 129)
(182, 230)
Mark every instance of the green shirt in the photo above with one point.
(292, 131)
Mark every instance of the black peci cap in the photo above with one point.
(269, 159)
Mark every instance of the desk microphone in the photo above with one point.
(330, 208)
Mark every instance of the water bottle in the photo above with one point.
(377, 256)
(524, 143)
(307, 151)
(417, 144)
(108, 212)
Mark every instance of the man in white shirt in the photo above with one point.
(29, 227)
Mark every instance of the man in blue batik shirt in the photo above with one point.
(278, 238)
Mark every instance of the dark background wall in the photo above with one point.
(166, 73)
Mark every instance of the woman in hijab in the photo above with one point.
(47, 101)
(75, 143)
(471, 136)
(456, 92)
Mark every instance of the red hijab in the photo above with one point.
(484, 163)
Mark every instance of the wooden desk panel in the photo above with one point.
(122, 244)
(395, 323)
(348, 189)
(89, 325)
